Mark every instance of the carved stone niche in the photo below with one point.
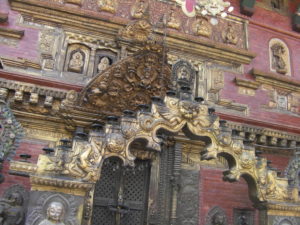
(77, 59)
(216, 216)
(46, 207)
(292, 172)
(279, 57)
(243, 217)
(103, 59)
(183, 73)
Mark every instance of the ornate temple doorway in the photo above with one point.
(121, 195)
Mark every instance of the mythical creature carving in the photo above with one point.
(12, 210)
(202, 27)
(278, 59)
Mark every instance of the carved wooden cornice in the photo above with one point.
(20, 63)
(279, 81)
(3, 17)
(247, 83)
(97, 24)
(11, 33)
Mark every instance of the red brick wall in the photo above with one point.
(32, 147)
(216, 192)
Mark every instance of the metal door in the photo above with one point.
(120, 197)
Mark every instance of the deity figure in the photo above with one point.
(11, 210)
(183, 73)
(76, 63)
(103, 64)
(242, 220)
(218, 219)
(229, 35)
(55, 213)
(147, 72)
(138, 9)
(18, 96)
(107, 5)
(278, 62)
(202, 27)
(173, 21)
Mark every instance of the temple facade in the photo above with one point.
(149, 112)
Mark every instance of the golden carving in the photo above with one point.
(278, 59)
(139, 8)
(136, 31)
(127, 84)
(103, 64)
(76, 62)
(173, 21)
(229, 35)
(202, 27)
(107, 5)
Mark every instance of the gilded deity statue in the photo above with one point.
(278, 62)
(183, 73)
(173, 21)
(139, 8)
(229, 35)
(103, 64)
(55, 213)
(202, 27)
(11, 210)
(76, 63)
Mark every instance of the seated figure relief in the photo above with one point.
(55, 214)
(138, 9)
(103, 64)
(76, 62)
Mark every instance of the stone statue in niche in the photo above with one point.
(218, 219)
(229, 35)
(278, 61)
(11, 209)
(242, 220)
(216, 216)
(183, 73)
(76, 62)
(55, 214)
(139, 8)
(202, 27)
(173, 21)
(103, 64)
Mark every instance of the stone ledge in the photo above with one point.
(11, 33)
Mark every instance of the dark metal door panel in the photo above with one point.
(120, 197)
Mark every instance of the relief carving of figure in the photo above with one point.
(76, 62)
(218, 219)
(11, 210)
(229, 35)
(183, 73)
(107, 5)
(173, 21)
(55, 214)
(103, 64)
(202, 27)
(278, 61)
(139, 8)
